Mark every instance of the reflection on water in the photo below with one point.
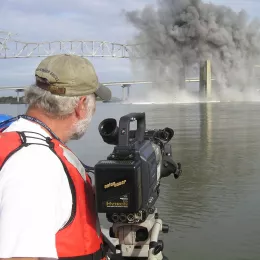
(213, 209)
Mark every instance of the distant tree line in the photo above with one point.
(11, 100)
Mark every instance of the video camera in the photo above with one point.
(128, 182)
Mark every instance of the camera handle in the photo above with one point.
(127, 246)
(124, 128)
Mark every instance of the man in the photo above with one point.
(47, 206)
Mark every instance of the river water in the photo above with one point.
(214, 208)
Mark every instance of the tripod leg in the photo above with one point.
(155, 252)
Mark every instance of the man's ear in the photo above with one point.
(80, 110)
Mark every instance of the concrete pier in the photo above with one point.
(205, 80)
(18, 91)
(125, 97)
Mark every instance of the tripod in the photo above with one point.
(138, 241)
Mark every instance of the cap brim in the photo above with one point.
(103, 93)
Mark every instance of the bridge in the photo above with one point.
(125, 85)
(11, 49)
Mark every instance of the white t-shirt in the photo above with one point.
(35, 199)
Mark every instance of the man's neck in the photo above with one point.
(58, 126)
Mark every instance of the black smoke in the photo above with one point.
(183, 33)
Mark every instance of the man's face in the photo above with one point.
(81, 126)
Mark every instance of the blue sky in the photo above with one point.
(48, 20)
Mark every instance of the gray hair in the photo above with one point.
(53, 105)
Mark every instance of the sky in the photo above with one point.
(50, 20)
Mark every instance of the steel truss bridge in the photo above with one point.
(10, 48)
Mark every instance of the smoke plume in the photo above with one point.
(183, 33)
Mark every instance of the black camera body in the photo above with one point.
(127, 183)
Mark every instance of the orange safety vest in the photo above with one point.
(81, 237)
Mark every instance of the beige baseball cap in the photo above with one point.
(70, 75)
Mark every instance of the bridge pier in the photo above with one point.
(182, 79)
(17, 94)
(205, 80)
(127, 86)
(123, 93)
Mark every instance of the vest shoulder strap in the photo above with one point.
(11, 142)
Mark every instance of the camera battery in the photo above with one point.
(118, 186)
